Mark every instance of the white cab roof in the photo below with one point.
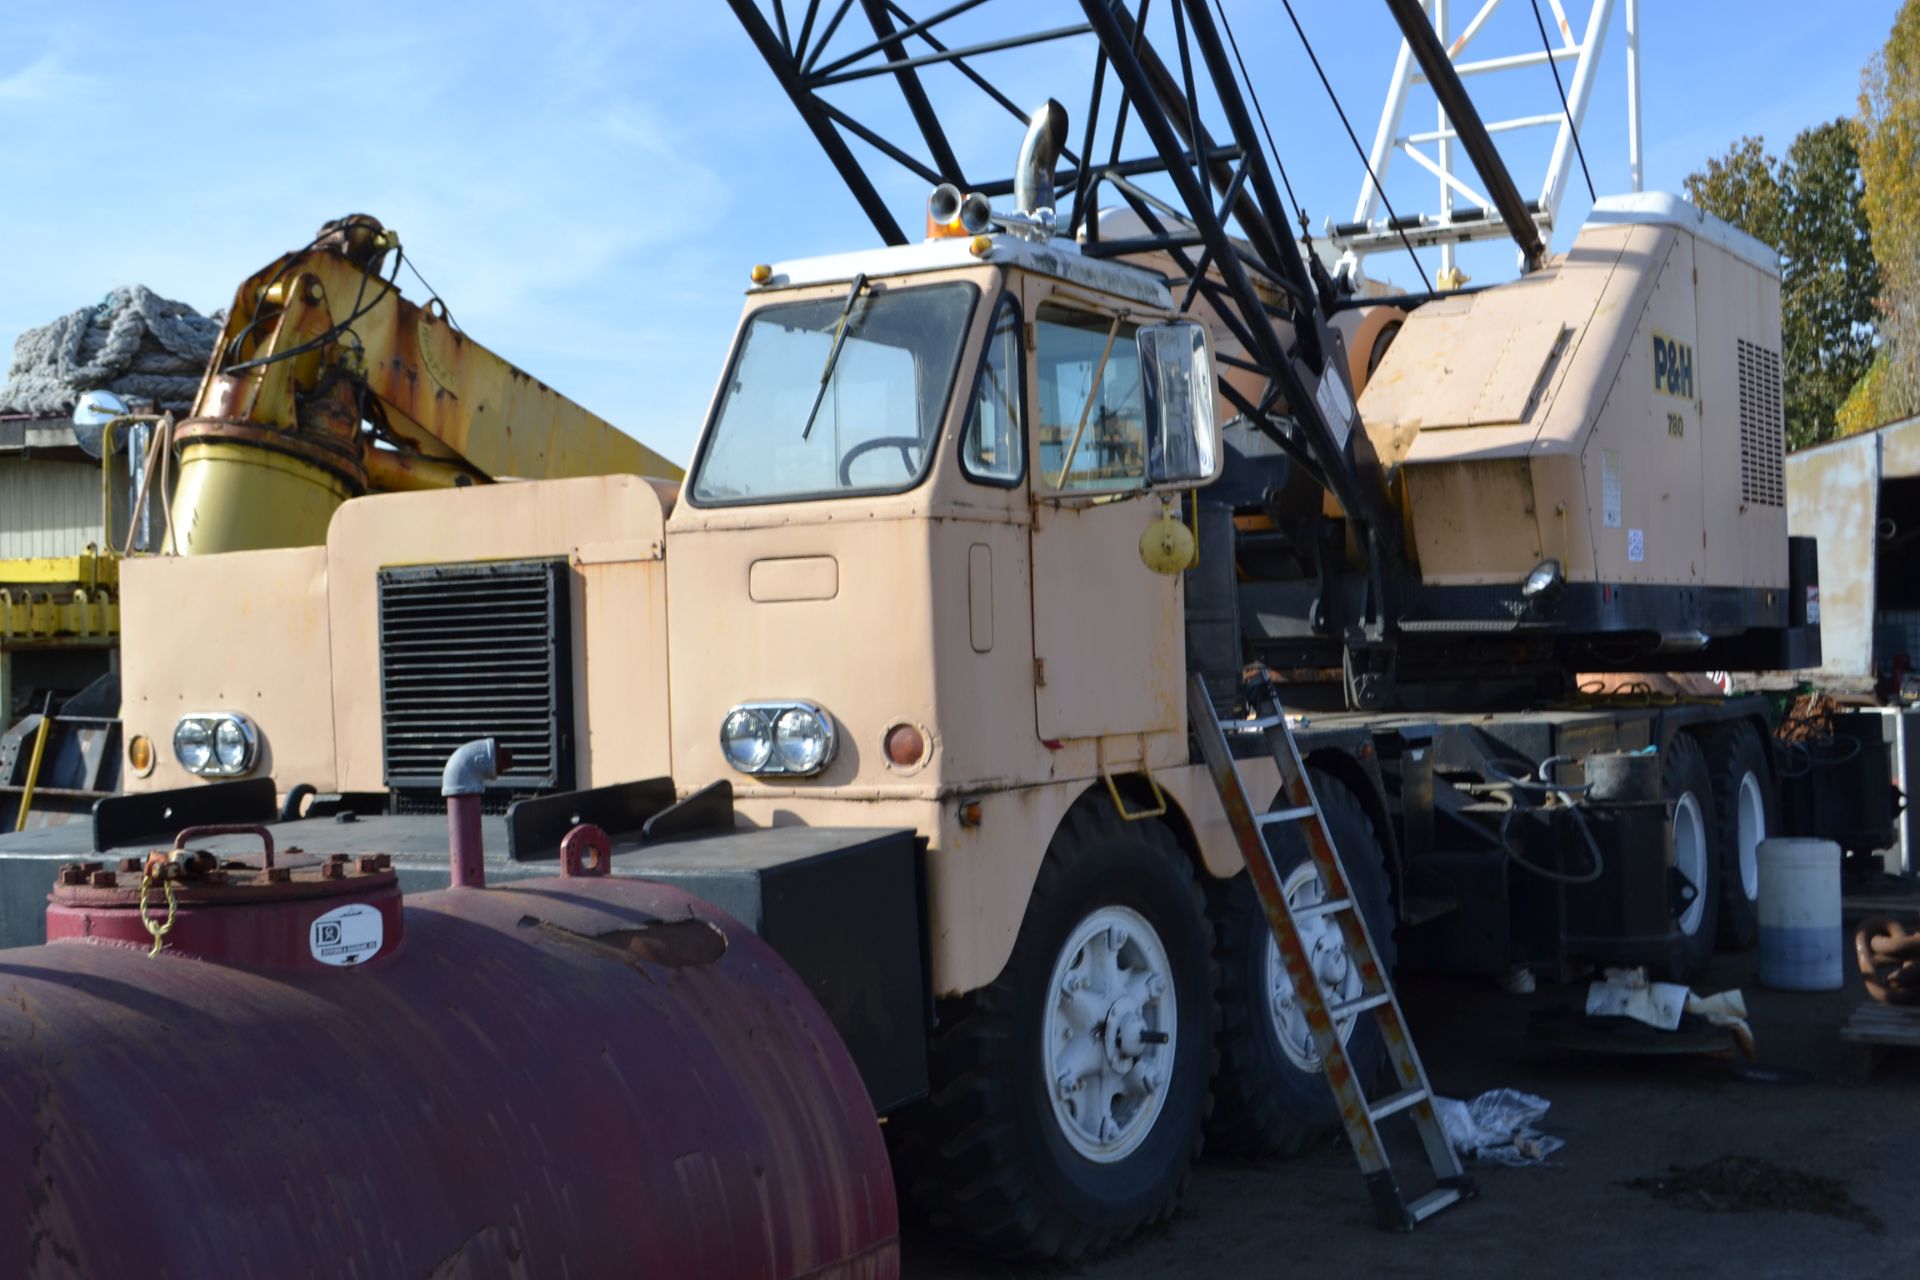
(1662, 208)
(1060, 258)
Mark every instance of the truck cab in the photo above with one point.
(913, 580)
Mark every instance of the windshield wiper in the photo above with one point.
(833, 355)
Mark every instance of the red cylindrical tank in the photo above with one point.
(584, 1076)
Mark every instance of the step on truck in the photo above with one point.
(898, 674)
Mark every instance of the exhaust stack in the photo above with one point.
(1039, 153)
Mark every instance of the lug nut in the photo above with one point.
(130, 865)
(1156, 986)
(279, 875)
(102, 879)
(91, 867)
(336, 859)
(334, 870)
(72, 874)
(367, 864)
(382, 862)
(1149, 1081)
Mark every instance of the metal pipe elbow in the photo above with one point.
(473, 766)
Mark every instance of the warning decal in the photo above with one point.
(347, 935)
(1610, 489)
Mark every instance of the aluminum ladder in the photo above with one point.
(1359, 1114)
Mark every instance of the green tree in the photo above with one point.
(1742, 187)
(1830, 280)
(1809, 208)
(1887, 135)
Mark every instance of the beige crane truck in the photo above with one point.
(899, 674)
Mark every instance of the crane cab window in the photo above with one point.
(805, 416)
(994, 448)
(1092, 434)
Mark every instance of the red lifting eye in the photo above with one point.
(905, 745)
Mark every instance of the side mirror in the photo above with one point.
(91, 415)
(1176, 385)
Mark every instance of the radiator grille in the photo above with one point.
(476, 651)
(1763, 436)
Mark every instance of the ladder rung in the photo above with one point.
(1351, 1007)
(1319, 909)
(1433, 1202)
(1252, 726)
(1284, 815)
(1394, 1103)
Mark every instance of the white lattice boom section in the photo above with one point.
(1461, 211)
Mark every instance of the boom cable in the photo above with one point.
(1554, 67)
(1299, 210)
(1393, 219)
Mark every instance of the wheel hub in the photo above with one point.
(1690, 858)
(1751, 829)
(1327, 956)
(1109, 1033)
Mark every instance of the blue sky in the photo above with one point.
(588, 184)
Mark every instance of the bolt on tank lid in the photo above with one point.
(199, 876)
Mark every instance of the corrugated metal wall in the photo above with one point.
(48, 508)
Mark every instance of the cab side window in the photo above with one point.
(993, 451)
(1092, 430)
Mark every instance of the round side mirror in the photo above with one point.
(91, 415)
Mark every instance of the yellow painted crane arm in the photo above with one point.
(327, 384)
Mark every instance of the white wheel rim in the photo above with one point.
(1111, 985)
(1327, 953)
(1750, 818)
(1690, 857)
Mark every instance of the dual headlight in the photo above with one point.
(216, 744)
(792, 739)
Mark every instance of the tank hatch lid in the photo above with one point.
(1664, 209)
(203, 879)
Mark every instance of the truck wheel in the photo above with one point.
(1270, 1096)
(1067, 1097)
(1693, 848)
(1744, 810)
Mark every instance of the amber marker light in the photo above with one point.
(140, 755)
(761, 273)
(906, 746)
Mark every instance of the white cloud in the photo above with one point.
(46, 79)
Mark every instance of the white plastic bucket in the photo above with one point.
(1800, 937)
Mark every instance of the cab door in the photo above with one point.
(1109, 649)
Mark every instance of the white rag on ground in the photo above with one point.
(1627, 993)
(1498, 1127)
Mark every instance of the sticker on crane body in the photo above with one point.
(1610, 489)
(1636, 545)
(1335, 405)
(347, 935)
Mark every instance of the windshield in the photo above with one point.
(884, 399)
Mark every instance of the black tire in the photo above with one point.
(1264, 1101)
(1734, 757)
(985, 1158)
(1687, 785)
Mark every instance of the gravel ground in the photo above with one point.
(1834, 1132)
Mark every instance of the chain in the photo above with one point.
(159, 931)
